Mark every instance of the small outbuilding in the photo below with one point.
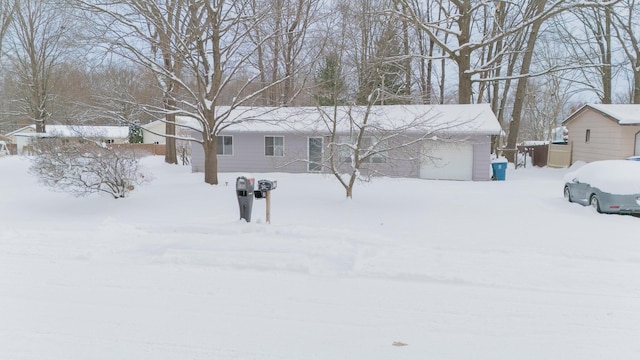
(296, 140)
(604, 132)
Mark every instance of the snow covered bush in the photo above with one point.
(85, 167)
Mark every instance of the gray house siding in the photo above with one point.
(248, 155)
(398, 162)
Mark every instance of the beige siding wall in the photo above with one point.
(605, 140)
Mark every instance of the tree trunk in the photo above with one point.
(521, 90)
(407, 54)
(606, 68)
(464, 78)
(636, 84)
(274, 98)
(210, 161)
(170, 156)
(349, 187)
(40, 125)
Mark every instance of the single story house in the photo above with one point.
(106, 134)
(604, 132)
(448, 142)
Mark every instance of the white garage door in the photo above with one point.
(447, 161)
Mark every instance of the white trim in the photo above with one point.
(264, 147)
(309, 163)
(232, 145)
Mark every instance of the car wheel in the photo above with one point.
(567, 194)
(595, 203)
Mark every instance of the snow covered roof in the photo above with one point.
(624, 114)
(473, 118)
(110, 132)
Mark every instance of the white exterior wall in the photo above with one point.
(152, 137)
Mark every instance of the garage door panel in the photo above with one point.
(447, 161)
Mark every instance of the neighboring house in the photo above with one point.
(604, 132)
(106, 134)
(295, 140)
(153, 132)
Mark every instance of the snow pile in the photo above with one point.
(612, 176)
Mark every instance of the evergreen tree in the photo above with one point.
(330, 86)
(135, 133)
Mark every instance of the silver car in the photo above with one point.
(610, 186)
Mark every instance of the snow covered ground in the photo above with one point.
(447, 270)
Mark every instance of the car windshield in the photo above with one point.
(612, 176)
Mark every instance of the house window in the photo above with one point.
(368, 144)
(274, 146)
(587, 136)
(109, 141)
(224, 145)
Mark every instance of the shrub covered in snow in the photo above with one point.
(83, 168)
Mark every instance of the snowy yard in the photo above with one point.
(454, 270)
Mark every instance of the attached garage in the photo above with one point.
(447, 160)
(456, 160)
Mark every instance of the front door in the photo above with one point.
(315, 154)
(637, 151)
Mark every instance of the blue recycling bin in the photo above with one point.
(499, 170)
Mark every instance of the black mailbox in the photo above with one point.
(263, 187)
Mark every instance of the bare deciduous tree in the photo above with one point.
(363, 141)
(210, 40)
(586, 37)
(283, 44)
(626, 29)
(7, 9)
(38, 33)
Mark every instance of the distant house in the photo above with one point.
(604, 132)
(154, 132)
(295, 140)
(106, 134)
